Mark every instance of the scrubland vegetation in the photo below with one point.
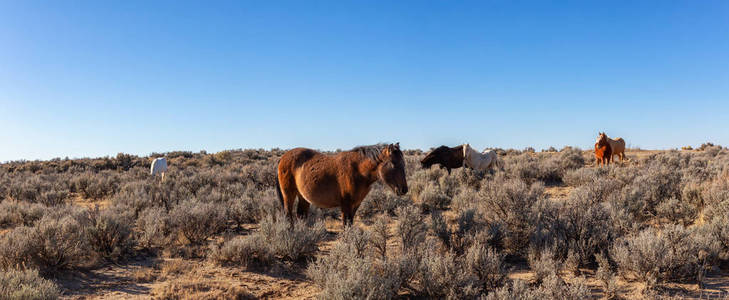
(628, 230)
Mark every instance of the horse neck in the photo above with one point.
(368, 169)
(602, 142)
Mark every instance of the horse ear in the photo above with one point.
(397, 145)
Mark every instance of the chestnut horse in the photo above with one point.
(450, 158)
(339, 180)
(617, 146)
(603, 152)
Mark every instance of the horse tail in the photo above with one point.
(278, 191)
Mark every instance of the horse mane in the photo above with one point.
(372, 151)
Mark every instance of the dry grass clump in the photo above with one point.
(675, 253)
(110, 233)
(277, 238)
(353, 271)
(242, 251)
(197, 221)
(291, 241)
(26, 285)
(509, 201)
(552, 288)
(15, 213)
(379, 200)
(57, 241)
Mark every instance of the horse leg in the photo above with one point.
(302, 209)
(288, 193)
(347, 214)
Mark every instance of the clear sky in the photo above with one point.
(94, 78)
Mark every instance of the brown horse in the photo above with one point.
(603, 152)
(617, 146)
(450, 158)
(340, 180)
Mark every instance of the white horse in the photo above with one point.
(479, 161)
(159, 166)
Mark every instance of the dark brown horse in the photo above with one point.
(450, 158)
(603, 152)
(341, 180)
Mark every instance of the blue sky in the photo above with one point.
(94, 78)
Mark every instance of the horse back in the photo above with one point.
(617, 145)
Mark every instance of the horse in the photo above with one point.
(159, 166)
(479, 161)
(617, 146)
(338, 180)
(603, 152)
(450, 158)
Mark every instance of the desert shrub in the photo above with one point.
(641, 196)
(411, 228)
(544, 264)
(61, 240)
(244, 210)
(439, 226)
(462, 235)
(378, 201)
(468, 178)
(676, 211)
(509, 201)
(347, 272)
(543, 166)
(576, 229)
(717, 229)
(96, 185)
(153, 228)
(262, 174)
(675, 253)
(358, 240)
(291, 241)
(465, 198)
(606, 277)
(242, 251)
(433, 198)
(48, 190)
(18, 248)
(14, 213)
(442, 275)
(136, 195)
(601, 190)
(570, 159)
(197, 221)
(716, 198)
(110, 233)
(582, 176)
(553, 288)
(26, 285)
(56, 241)
(524, 167)
(380, 234)
(493, 235)
(487, 264)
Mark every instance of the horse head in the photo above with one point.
(434, 157)
(392, 169)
